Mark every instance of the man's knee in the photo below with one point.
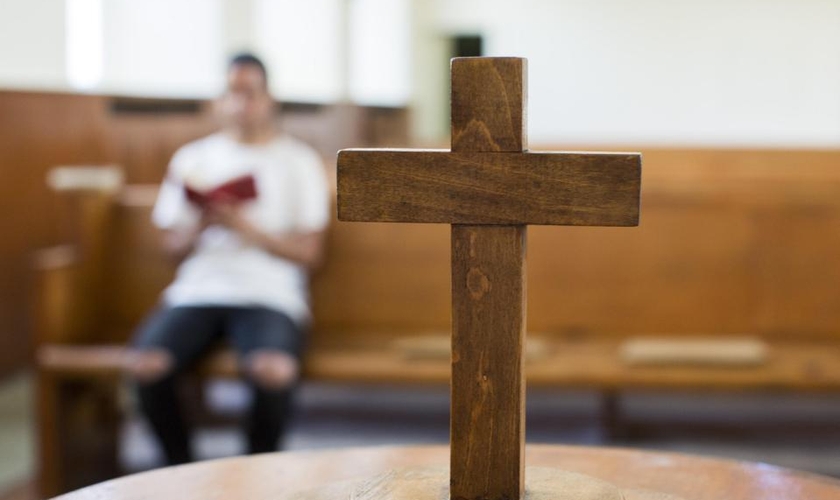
(150, 365)
(273, 369)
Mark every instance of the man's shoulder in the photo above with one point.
(293, 145)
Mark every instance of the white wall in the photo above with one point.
(718, 72)
(32, 44)
(620, 72)
(300, 43)
(148, 47)
(380, 52)
(336, 50)
(238, 25)
(164, 47)
(318, 50)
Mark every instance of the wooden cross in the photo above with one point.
(488, 187)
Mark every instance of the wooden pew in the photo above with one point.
(731, 244)
(39, 130)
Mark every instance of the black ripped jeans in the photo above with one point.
(186, 333)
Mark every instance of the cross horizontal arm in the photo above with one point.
(577, 189)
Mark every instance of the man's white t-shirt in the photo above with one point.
(224, 269)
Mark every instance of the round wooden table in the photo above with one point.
(278, 475)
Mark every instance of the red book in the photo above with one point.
(233, 191)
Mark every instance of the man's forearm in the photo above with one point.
(305, 249)
(178, 244)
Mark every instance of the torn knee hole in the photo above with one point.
(273, 369)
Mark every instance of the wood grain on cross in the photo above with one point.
(488, 188)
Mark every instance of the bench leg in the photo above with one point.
(50, 475)
(78, 431)
(613, 426)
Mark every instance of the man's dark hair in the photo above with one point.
(248, 59)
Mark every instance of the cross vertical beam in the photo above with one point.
(487, 432)
(488, 386)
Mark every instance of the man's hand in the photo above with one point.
(230, 216)
(305, 249)
(179, 243)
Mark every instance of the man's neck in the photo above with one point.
(254, 136)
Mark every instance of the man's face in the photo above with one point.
(246, 103)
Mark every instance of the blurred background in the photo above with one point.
(712, 328)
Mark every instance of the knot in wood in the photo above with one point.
(477, 283)
(475, 137)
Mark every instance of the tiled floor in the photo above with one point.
(16, 444)
(794, 431)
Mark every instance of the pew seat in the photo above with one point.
(580, 362)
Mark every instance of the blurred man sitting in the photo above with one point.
(245, 211)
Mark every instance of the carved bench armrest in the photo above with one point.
(110, 360)
(55, 258)
(104, 361)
